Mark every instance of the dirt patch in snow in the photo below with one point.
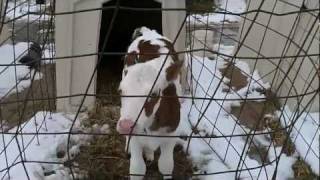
(302, 171)
(251, 114)
(237, 79)
(259, 116)
(254, 114)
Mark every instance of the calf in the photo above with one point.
(157, 115)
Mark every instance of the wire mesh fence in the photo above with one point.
(249, 108)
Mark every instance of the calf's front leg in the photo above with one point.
(137, 164)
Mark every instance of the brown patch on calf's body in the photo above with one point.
(168, 113)
(148, 51)
(130, 58)
(173, 70)
(149, 105)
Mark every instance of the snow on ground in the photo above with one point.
(230, 6)
(48, 54)
(43, 148)
(10, 75)
(19, 74)
(218, 121)
(21, 8)
(220, 154)
(305, 135)
(234, 6)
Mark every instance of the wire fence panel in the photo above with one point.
(248, 74)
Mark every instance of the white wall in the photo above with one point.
(172, 21)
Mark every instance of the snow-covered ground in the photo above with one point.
(12, 75)
(223, 154)
(43, 147)
(219, 157)
(15, 77)
(20, 9)
(229, 6)
(305, 135)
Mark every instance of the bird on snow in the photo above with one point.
(33, 57)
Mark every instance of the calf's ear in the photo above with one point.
(168, 112)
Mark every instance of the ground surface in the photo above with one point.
(40, 95)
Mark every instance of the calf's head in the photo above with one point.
(159, 112)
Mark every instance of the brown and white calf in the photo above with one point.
(161, 111)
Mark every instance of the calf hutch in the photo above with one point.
(80, 35)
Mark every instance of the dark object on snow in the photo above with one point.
(33, 58)
(40, 1)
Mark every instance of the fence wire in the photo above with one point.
(281, 92)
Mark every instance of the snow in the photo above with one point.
(48, 54)
(104, 129)
(234, 6)
(306, 132)
(217, 155)
(8, 74)
(41, 148)
(229, 6)
(22, 9)
(20, 74)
